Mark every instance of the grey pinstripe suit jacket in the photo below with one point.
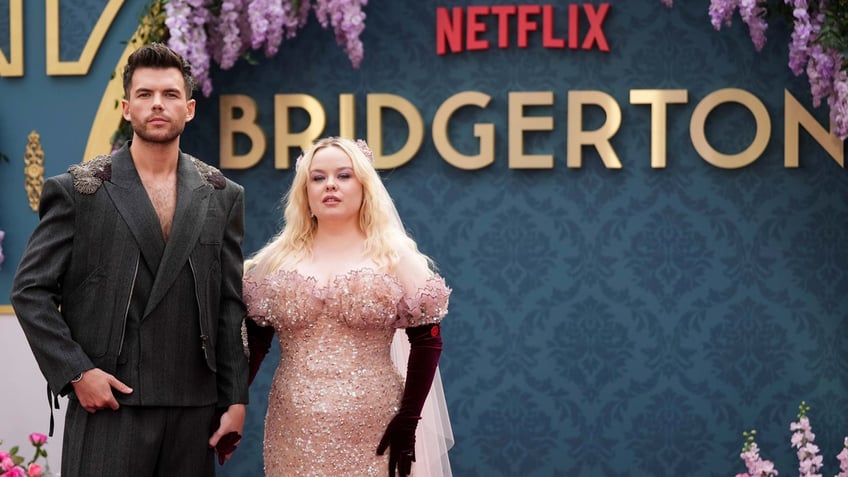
(73, 286)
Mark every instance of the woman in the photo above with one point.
(335, 284)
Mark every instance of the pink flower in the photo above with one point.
(6, 464)
(34, 470)
(37, 439)
(14, 472)
(1, 247)
(742, 475)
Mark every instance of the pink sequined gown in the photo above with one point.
(335, 388)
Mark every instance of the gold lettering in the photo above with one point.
(795, 116)
(56, 67)
(108, 116)
(577, 137)
(245, 124)
(659, 100)
(699, 119)
(518, 123)
(14, 65)
(284, 138)
(347, 116)
(485, 132)
(376, 104)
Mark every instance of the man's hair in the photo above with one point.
(157, 55)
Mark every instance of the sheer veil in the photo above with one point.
(434, 436)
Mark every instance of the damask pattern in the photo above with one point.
(605, 322)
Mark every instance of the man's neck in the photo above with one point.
(155, 159)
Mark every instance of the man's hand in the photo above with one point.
(94, 390)
(228, 435)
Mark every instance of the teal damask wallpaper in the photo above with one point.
(612, 322)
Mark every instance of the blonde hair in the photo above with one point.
(386, 239)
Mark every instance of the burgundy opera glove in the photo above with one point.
(258, 344)
(425, 347)
(399, 438)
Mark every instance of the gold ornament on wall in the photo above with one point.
(34, 169)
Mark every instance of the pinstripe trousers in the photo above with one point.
(138, 441)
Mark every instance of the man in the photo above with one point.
(129, 293)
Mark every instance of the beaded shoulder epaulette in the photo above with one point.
(89, 176)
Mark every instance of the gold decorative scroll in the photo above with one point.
(34, 170)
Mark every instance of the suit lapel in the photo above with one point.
(192, 203)
(132, 202)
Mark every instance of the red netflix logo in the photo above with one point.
(469, 24)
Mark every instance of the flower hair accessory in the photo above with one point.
(363, 146)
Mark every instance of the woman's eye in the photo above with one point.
(344, 175)
(317, 178)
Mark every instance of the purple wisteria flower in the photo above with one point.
(825, 67)
(227, 43)
(2, 235)
(348, 21)
(752, 13)
(186, 21)
(222, 31)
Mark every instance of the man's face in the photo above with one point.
(158, 107)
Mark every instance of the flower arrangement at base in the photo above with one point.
(819, 44)
(12, 464)
(2, 235)
(809, 460)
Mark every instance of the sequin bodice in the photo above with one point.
(335, 388)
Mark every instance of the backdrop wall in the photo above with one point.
(615, 322)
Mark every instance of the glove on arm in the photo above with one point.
(425, 347)
(258, 343)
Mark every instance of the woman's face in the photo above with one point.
(333, 191)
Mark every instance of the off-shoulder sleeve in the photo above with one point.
(258, 300)
(428, 305)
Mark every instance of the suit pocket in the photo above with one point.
(87, 312)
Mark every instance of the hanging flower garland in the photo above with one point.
(819, 44)
(222, 31)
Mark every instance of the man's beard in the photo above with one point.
(170, 135)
